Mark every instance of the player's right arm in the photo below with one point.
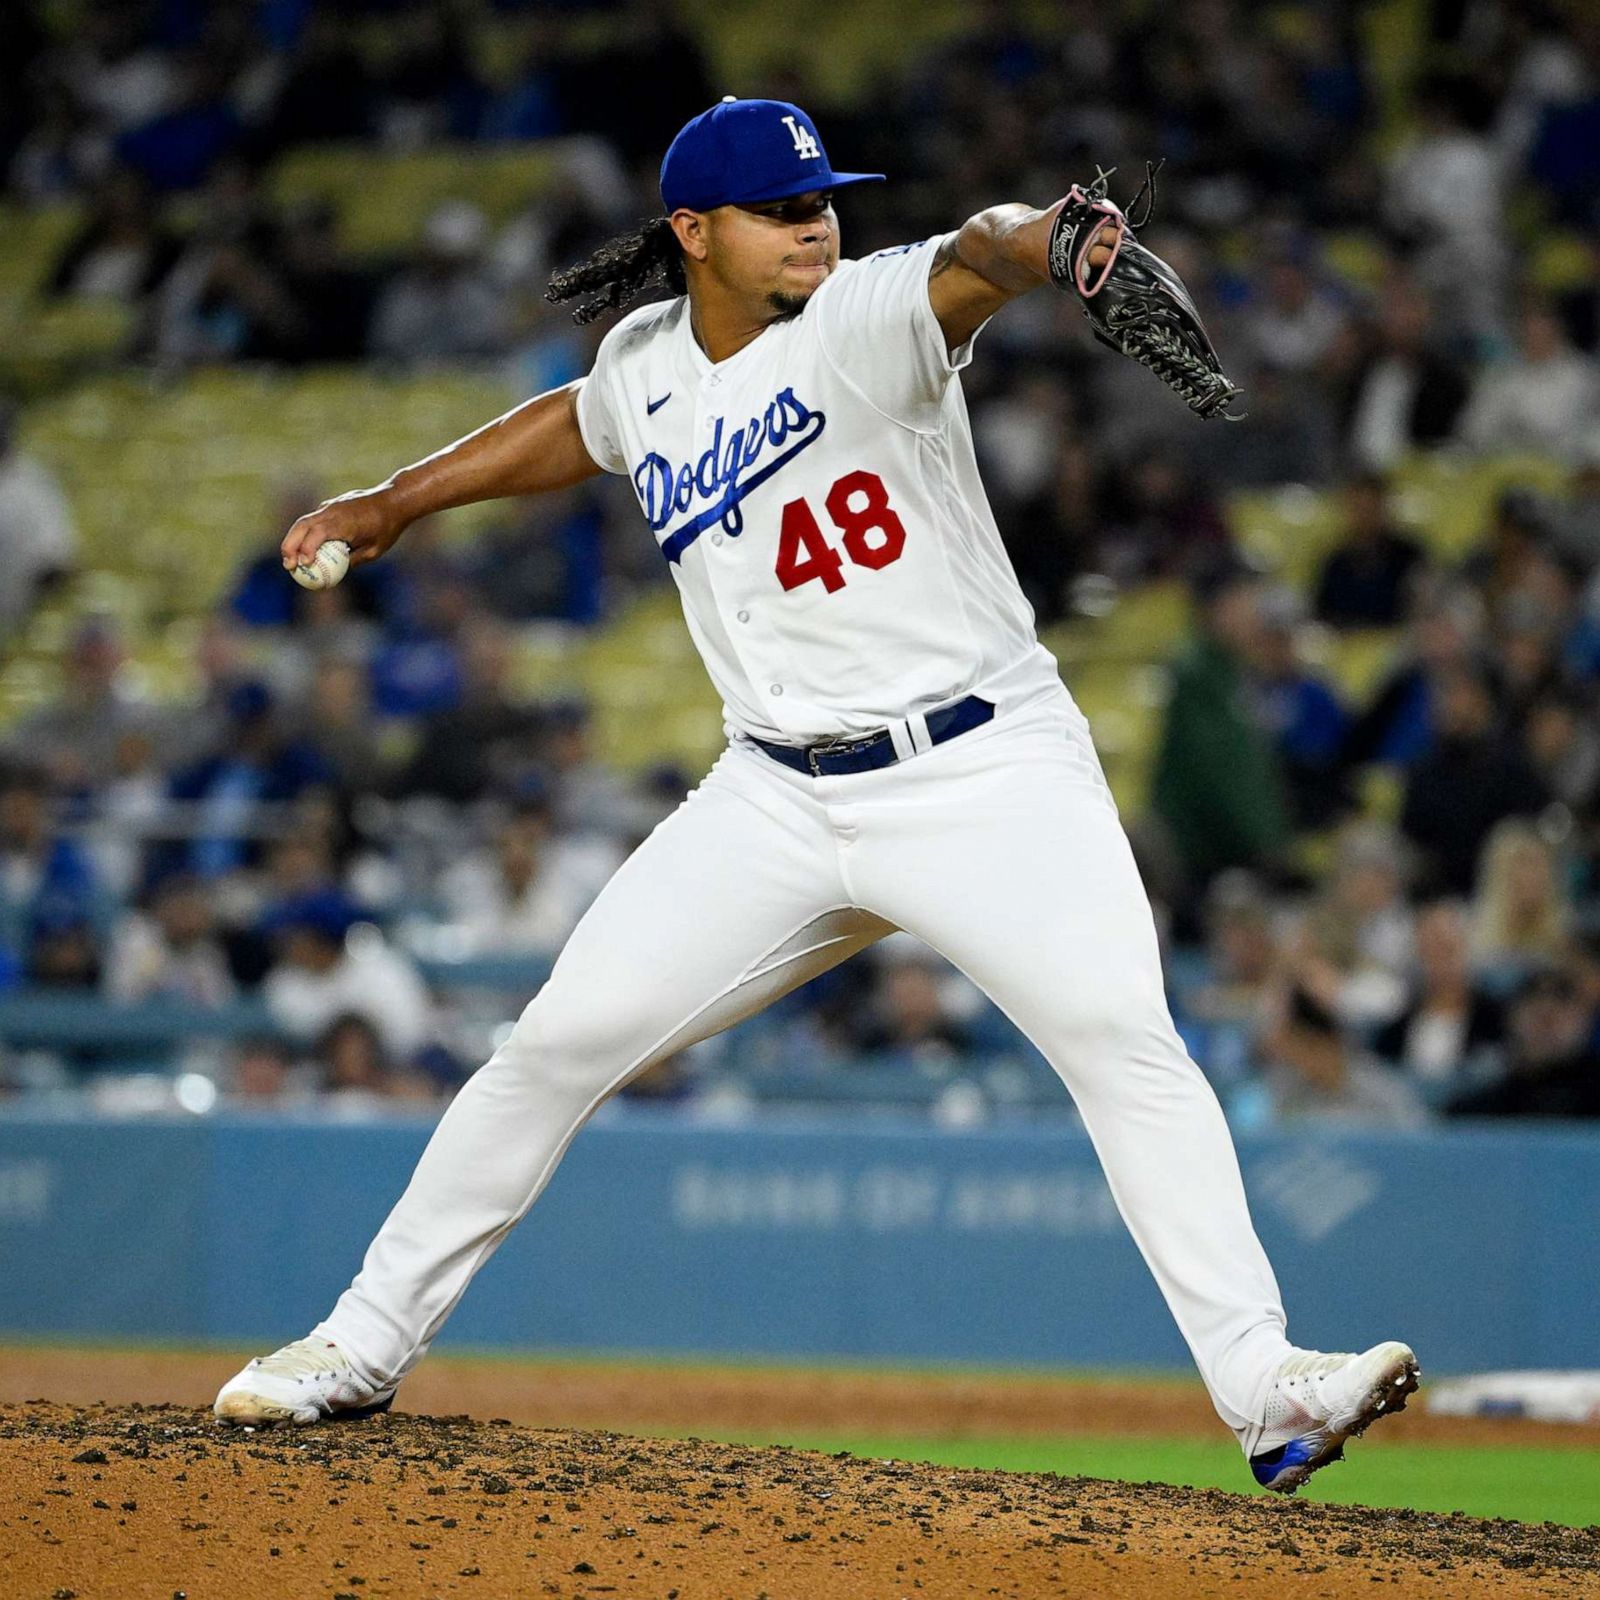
(534, 447)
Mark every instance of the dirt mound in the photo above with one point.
(746, 1399)
(150, 1503)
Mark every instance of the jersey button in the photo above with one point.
(777, 688)
(716, 538)
(744, 616)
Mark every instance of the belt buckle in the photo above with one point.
(827, 747)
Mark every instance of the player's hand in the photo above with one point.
(1100, 250)
(364, 518)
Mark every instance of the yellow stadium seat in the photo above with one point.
(48, 344)
(1357, 661)
(1356, 257)
(192, 467)
(382, 198)
(1381, 791)
(1314, 854)
(1562, 261)
(31, 242)
(1289, 529)
(1143, 623)
(846, 48)
(1125, 704)
(652, 700)
(1448, 499)
(1395, 34)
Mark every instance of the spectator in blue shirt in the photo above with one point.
(176, 149)
(47, 883)
(1302, 715)
(255, 765)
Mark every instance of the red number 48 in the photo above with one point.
(873, 533)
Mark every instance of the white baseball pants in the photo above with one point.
(1003, 851)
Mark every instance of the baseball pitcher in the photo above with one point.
(901, 750)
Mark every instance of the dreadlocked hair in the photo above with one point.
(621, 269)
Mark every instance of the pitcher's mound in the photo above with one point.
(133, 1502)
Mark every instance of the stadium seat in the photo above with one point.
(382, 197)
(1449, 500)
(1288, 530)
(51, 344)
(1356, 661)
(845, 48)
(1357, 257)
(651, 698)
(1562, 261)
(1124, 703)
(31, 241)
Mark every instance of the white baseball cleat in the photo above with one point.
(1317, 1402)
(303, 1382)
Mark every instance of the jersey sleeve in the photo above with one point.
(877, 326)
(597, 411)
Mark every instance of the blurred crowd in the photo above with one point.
(1378, 910)
(166, 121)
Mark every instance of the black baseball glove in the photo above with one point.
(1134, 301)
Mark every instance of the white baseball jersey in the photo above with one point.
(817, 498)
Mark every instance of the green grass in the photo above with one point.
(1529, 1485)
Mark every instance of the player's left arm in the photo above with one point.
(990, 259)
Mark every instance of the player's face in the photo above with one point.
(776, 251)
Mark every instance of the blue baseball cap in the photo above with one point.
(743, 151)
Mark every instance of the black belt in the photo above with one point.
(872, 750)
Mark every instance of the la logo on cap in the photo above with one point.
(805, 146)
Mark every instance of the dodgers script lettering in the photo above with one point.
(729, 468)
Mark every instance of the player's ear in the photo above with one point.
(692, 231)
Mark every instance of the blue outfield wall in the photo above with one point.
(815, 1239)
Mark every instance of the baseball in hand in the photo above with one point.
(326, 567)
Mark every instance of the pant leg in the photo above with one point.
(732, 901)
(1003, 850)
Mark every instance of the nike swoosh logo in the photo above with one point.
(653, 406)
